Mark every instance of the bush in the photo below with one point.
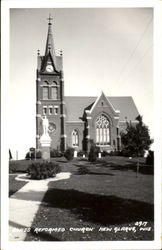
(43, 170)
(150, 158)
(94, 150)
(55, 153)
(81, 153)
(69, 154)
(125, 153)
(104, 153)
(83, 170)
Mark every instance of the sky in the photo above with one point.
(104, 49)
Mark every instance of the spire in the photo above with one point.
(50, 43)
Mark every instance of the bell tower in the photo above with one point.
(50, 93)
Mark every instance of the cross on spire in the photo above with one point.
(49, 19)
(50, 43)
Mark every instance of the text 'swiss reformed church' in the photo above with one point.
(75, 121)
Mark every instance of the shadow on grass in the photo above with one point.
(99, 208)
(62, 161)
(42, 235)
(95, 208)
(143, 168)
(95, 173)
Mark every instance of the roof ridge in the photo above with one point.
(96, 96)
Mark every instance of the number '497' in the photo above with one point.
(141, 223)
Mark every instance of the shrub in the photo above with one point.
(150, 158)
(125, 153)
(43, 170)
(94, 150)
(55, 153)
(69, 154)
(81, 153)
(83, 170)
(104, 153)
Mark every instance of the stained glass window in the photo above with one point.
(102, 130)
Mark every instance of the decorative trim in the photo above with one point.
(95, 103)
(62, 102)
(88, 136)
(38, 102)
(38, 116)
(117, 111)
(63, 115)
(56, 106)
(89, 118)
(37, 136)
(38, 79)
(88, 126)
(87, 111)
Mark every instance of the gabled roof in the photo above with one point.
(75, 106)
(101, 98)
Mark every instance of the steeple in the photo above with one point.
(50, 42)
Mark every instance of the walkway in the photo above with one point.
(24, 204)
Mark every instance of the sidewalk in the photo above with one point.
(24, 204)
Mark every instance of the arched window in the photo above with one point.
(45, 90)
(54, 83)
(45, 83)
(75, 138)
(54, 93)
(102, 130)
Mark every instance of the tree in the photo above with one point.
(93, 153)
(136, 139)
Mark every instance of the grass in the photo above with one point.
(14, 185)
(109, 196)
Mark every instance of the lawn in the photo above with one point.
(14, 185)
(104, 204)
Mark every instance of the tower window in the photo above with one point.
(44, 110)
(54, 93)
(45, 93)
(102, 130)
(56, 110)
(75, 138)
(50, 110)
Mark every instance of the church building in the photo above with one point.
(76, 121)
